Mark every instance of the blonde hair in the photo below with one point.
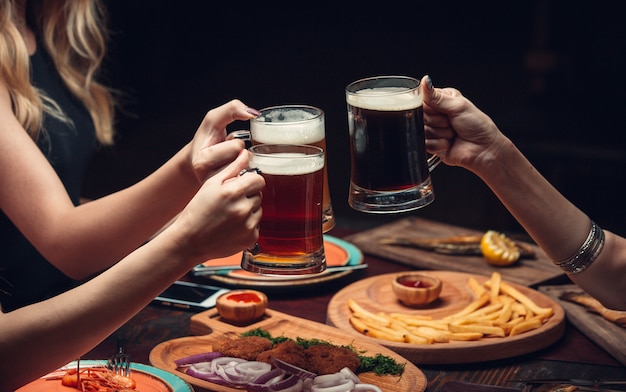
(73, 33)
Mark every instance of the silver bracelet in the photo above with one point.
(587, 253)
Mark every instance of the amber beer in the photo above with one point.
(389, 170)
(295, 124)
(290, 233)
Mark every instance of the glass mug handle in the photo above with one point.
(241, 134)
(433, 162)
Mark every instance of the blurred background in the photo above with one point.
(550, 73)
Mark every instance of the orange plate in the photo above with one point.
(375, 294)
(212, 326)
(148, 379)
(338, 253)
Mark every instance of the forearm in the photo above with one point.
(53, 331)
(107, 229)
(550, 219)
(556, 225)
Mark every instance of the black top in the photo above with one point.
(25, 275)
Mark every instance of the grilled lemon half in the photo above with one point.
(498, 249)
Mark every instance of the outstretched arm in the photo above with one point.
(220, 220)
(34, 198)
(462, 135)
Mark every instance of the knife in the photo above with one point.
(225, 269)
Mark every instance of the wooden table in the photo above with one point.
(574, 356)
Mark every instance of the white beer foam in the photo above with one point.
(385, 99)
(287, 164)
(287, 127)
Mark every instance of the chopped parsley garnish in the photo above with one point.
(264, 334)
(379, 364)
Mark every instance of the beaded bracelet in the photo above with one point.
(587, 253)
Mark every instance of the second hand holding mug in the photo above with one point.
(290, 232)
(390, 172)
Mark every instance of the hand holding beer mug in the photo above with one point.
(290, 233)
(389, 172)
(293, 124)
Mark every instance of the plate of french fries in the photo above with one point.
(476, 318)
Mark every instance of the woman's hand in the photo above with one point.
(208, 153)
(223, 217)
(456, 130)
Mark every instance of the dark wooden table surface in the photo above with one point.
(574, 356)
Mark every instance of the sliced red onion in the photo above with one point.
(285, 377)
(244, 372)
(287, 385)
(203, 371)
(202, 357)
(270, 377)
(366, 388)
(293, 369)
(224, 361)
(350, 375)
(328, 378)
(297, 387)
(253, 368)
(222, 366)
(201, 367)
(344, 385)
(262, 383)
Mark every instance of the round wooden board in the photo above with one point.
(278, 324)
(375, 294)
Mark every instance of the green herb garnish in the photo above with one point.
(264, 334)
(381, 365)
(378, 364)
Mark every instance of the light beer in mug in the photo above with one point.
(290, 233)
(295, 124)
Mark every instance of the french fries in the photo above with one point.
(498, 310)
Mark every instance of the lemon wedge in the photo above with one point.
(498, 249)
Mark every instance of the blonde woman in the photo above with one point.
(53, 114)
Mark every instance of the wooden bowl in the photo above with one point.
(414, 289)
(242, 306)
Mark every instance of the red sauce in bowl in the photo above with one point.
(420, 284)
(244, 297)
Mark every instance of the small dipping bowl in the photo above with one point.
(415, 289)
(241, 306)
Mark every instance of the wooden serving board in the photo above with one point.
(528, 272)
(375, 294)
(210, 326)
(604, 333)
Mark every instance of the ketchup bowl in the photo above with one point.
(242, 306)
(416, 289)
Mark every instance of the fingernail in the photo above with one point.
(253, 111)
(429, 82)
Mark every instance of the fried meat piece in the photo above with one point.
(248, 347)
(324, 359)
(287, 351)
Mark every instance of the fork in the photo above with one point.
(119, 363)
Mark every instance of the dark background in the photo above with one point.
(550, 73)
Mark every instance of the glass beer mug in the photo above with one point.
(290, 232)
(293, 124)
(390, 172)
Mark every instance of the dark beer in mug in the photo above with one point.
(389, 169)
(290, 233)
